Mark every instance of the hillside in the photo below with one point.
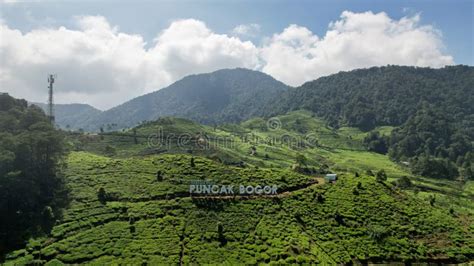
(71, 116)
(297, 133)
(144, 216)
(229, 95)
(432, 109)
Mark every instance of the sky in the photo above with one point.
(107, 52)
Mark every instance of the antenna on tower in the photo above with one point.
(51, 78)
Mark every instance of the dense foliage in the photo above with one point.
(380, 96)
(436, 142)
(31, 190)
(432, 108)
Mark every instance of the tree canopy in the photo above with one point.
(31, 187)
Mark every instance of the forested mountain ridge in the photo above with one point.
(378, 96)
(363, 98)
(227, 95)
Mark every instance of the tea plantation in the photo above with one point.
(130, 201)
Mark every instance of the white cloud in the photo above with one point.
(250, 30)
(357, 40)
(101, 65)
(188, 46)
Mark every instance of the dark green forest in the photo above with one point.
(31, 187)
(379, 96)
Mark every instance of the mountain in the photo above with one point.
(228, 95)
(381, 96)
(71, 115)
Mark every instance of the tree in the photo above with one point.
(110, 150)
(339, 218)
(432, 200)
(48, 218)
(135, 139)
(355, 191)
(376, 143)
(320, 198)
(404, 182)
(381, 176)
(300, 159)
(102, 195)
(434, 167)
(159, 176)
(253, 150)
(220, 233)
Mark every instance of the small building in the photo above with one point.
(330, 178)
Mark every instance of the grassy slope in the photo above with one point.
(157, 222)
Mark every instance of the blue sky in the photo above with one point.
(455, 18)
(147, 45)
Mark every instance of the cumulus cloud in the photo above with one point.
(188, 46)
(357, 40)
(98, 64)
(101, 65)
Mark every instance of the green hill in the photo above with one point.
(145, 220)
(130, 202)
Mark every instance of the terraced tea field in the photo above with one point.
(158, 222)
(133, 206)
